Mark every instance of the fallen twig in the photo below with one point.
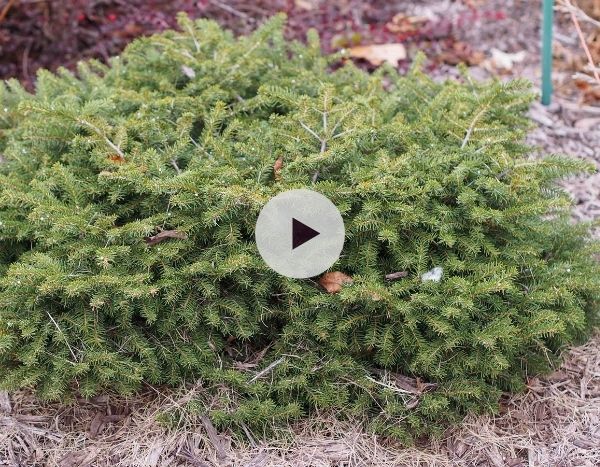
(6, 8)
(159, 237)
(582, 40)
(396, 275)
(267, 369)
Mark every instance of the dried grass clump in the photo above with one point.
(556, 423)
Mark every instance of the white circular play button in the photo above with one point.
(300, 233)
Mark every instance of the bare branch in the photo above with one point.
(100, 133)
(310, 131)
(583, 41)
(175, 166)
(268, 369)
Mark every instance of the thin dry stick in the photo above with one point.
(267, 369)
(6, 8)
(63, 336)
(100, 133)
(579, 12)
(214, 437)
(583, 41)
(175, 166)
(231, 10)
(472, 125)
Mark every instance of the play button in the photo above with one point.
(300, 233)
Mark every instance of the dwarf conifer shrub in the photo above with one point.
(129, 195)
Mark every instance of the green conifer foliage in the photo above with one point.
(180, 133)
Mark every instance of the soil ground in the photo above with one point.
(555, 423)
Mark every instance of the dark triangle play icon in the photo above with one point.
(301, 233)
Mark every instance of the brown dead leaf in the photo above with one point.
(116, 158)
(376, 54)
(461, 52)
(96, 425)
(159, 237)
(130, 30)
(214, 437)
(100, 420)
(277, 168)
(396, 275)
(456, 447)
(412, 403)
(590, 91)
(404, 24)
(333, 281)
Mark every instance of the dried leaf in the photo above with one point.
(116, 158)
(404, 24)
(396, 275)
(130, 30)
(165, 234)
(376, 54)
(277, 168)
(456, 447)
(461, 52)
(214, 437)
(590, 91)
(96, 425)
(413, 403)
(333, 281)
(100, 420)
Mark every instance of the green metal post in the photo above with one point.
(548, 14)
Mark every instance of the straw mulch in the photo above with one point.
(555, 423)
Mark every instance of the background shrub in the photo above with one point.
(180, 134)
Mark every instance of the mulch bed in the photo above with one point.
(53, 33)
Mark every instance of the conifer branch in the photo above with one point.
(100, 133)
(516, 282)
